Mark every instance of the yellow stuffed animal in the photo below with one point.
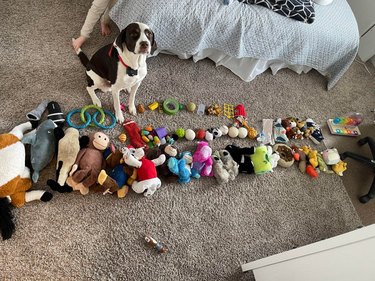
(311, 155)
(15, 178)
(339, 168)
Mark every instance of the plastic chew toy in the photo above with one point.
(171, 106)
(156, 244)
(89, 120)
(228, 110)
(85, 108)
(354, 119)
(36, 113)
(55, 113)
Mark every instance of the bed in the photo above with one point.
(249, 39)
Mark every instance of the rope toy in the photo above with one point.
(89, 120)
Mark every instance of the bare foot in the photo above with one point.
(105, 29)
(77, 43)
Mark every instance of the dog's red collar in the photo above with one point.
(130, 71)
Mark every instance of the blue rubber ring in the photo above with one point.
(103, 126)
(69, 116)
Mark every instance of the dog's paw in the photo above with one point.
(120, 117)
(132, 110)
(96, 102)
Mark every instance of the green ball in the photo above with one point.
(180, 132)
(191, 106)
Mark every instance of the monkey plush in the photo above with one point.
(88, 164)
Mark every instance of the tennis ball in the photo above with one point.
(242, 133)
(233, 132)
(180, 132)
(191, 106)
(189, 134)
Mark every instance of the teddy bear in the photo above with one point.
(202, 161)
(117, 177)
(229, 164)
(181, 167)
(315, 132)
(68, 147)
(169, 150)
(220, 173)
(147, 179)
(89, 163)
(242, 157)
(15, 180)
(263, 159)
(280, 131)
(331, 156)
(339, 168)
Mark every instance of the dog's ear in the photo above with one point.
(153, 44)
(121, 39)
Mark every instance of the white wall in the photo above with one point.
(364, 11)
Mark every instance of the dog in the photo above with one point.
(120, 66)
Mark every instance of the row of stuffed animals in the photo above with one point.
(90, 162)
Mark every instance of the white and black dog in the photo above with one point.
(120, 66)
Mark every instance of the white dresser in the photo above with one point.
(364, 11)
(347, 257)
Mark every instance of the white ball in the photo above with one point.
(224, 129)
(242, 133)
(233, 132)
(189, 134)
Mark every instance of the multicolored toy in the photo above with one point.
(89, 120)
(353, 119)
(161, 248)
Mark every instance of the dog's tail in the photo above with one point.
(6, 219)
(82, 57)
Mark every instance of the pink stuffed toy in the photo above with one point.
(202, 161)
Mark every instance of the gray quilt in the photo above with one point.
(328, 45)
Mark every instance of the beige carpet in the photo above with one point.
(210, 230)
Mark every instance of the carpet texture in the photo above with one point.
(210, 230)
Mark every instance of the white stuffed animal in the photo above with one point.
(147, 179)
(220, 173)
(229, 164)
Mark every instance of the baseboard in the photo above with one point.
(373, 60)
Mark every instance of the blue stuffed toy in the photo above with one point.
(181, 167)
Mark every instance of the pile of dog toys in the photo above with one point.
(93, 163)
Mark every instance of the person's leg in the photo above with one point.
(97, 9)
(105, 20)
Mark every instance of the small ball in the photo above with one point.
(191, 106)
(224, 129)
(200, 134)
(233, 132)
(180, 132)
(122, 138)
(189, 134)
(141, 108)
(242, 133)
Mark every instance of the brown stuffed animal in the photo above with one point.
(120, 176)
(89, 162)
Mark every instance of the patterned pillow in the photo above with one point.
(301, 10)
